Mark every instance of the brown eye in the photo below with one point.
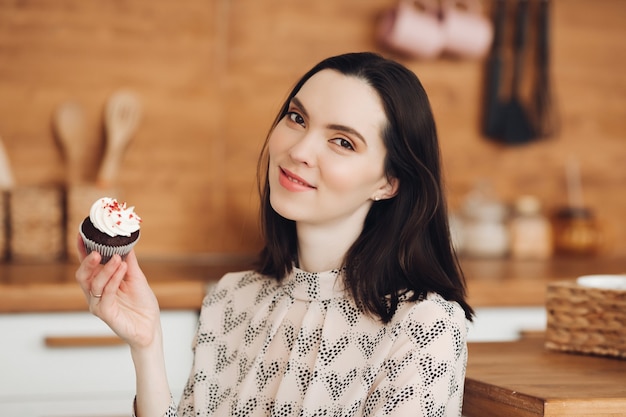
(344, 143)
(295, 117)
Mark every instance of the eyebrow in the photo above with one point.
(333, 126)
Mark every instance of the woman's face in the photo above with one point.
(327, 154)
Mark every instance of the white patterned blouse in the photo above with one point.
(302, 348)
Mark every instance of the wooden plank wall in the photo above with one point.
(212, 73)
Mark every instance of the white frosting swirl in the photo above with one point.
(113, 218)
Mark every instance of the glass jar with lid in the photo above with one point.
(530, 229)
(485, 232)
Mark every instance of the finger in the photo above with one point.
(87, 270)
(135, 275)
(113, 284)
(99, 281)
(133, 265)
(80, 245)
(109, 292)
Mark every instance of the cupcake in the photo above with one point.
(110, 228)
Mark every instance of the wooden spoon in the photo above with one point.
(70, 125)
(121, 118)
(6, 175)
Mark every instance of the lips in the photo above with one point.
(291, 181)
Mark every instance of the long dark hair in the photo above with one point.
(405, 246)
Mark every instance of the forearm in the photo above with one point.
(153, 392)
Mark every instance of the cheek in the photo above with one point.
(348, 179)
(277, 142)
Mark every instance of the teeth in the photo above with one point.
(295, 181)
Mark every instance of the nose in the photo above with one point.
(305, 149)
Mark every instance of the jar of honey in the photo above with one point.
(576, 232)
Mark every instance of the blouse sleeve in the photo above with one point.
(185, 406)
(171, 410)
(425, 374)
(213, 301)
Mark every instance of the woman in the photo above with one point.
(357, 307)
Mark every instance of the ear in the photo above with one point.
(389, 190)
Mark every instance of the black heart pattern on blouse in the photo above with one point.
(337, 385)
(249, 278)
(372, 400)
(311, 281)
(422, 336)
(224, 358)
(216, 398)
(244, 366)
(215, 297)
(206, 338)
(369, 344)
(349, 311)
(231, 321)
(252, 332)
(245, 409)
(289, 335)
(282, 410)
(329, 351)
(431, 408)
(398, 397)
(304, 378)
(320, 412)
(395, 367)
(369, 376)
(266, 289)
(307, 340)
(431, 369)
(352, 410)
(265, 372)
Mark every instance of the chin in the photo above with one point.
(281, 211)
(286, 210)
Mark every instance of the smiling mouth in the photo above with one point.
(294, 179)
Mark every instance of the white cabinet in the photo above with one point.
(37, 380)
(495, 324)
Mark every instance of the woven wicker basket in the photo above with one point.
(586, 320)
(36, 217)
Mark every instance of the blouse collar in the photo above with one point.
(314, 286)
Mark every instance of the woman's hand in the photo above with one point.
(119, 294)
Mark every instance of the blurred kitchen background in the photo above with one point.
(211, 74)
(533, 135)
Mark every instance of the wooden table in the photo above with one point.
(522, 379)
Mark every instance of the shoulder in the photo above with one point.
(433, 315)
(239, 283)
(435, 304)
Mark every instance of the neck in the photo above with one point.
(324, 247)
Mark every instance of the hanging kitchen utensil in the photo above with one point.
(70, 125)
(493, 107)
(122, 115)
(518, 127)
(546, 118)
(6, 175)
